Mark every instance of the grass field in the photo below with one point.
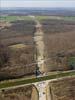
(68, 18)
(18, 82)
(14, 18)
(47, 17)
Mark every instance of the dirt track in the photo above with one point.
(39, 42)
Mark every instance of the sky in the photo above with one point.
(37, 3)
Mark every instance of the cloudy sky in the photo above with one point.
(37, 3)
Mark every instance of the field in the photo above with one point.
(63, 89)
(26, 92)
(14, 18)
(16, 34)
(66, 18)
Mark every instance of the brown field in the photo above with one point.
(20, 93)
(59, 39)
(19, 33)
(63, 89)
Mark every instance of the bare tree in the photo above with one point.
(3, 55)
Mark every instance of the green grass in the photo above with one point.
(66, 18)
(47, 17)
(33, 80)
(14, 18)
(69, 18)
(42, 17)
